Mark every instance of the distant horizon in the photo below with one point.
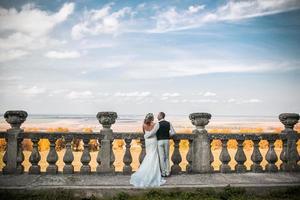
(128, 114)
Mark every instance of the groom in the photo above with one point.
(163, 134)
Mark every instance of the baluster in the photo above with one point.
(189, 157)
(256, 157)
(143, 152)
(211, 156)
(298, 157)
(35, 157)
(240, 157)
(4, 169)
(68, 157)
(283, 156)
(127, 159)
(52, 157)
(85, 157)
(176, 158)
(98, 169)
(224, 157)
(20, 157)
(293, 154)
(271, 157)
(112, 156)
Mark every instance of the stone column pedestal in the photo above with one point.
(289, 120)
(201, 144)
(14, 137)
(107, 157)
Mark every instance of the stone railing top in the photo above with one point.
(249, 136)
(15, 118)
(200, 120)
(289, 120)
(139, 135)
(107, 118)
(94, 135)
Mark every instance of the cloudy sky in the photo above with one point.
(79, 57)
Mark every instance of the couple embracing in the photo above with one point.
(156, 164)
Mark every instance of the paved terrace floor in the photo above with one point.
(110, 185)
(105, 185)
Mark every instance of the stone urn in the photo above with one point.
(200, 120)
(289, 120)
(107, 118)
(15, 118)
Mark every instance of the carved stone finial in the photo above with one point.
(15, 118)
(107, 118)
(200, 120)
(289, 120)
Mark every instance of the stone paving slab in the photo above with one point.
(95, 181)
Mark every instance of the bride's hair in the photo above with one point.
(149, 118)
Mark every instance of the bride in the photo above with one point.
(148, 174)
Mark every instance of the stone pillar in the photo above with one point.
(289, 120)
(15, 118)
(106, 119)
(201, 144)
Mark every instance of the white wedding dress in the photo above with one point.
(148, 174)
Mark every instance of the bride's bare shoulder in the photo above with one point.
(146, 127)
(152, 125)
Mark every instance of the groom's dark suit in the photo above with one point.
(163, 134)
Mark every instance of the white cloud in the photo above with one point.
(231, 100)
(164, 98)
(102, 21)
(11, 55)
(203, 101)
(179, 67)
(31, 20)
(33, 91)
(175, 94)
(62, 54)
(90, 44)
(24, 41)
(28, 28)
(195, 9)
(10, 78)
(193, 101)
(209, 94)
(173, 20)
(132, 94)
(56, 92)
(243, 101)
(105, 94)
(80, 95)
(252, 101)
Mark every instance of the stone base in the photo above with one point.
(52, 169)
(256, 168)
(34, 169)
(68, 169)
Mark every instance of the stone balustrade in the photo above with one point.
(199, 156)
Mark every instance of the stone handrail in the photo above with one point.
(199, 156)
